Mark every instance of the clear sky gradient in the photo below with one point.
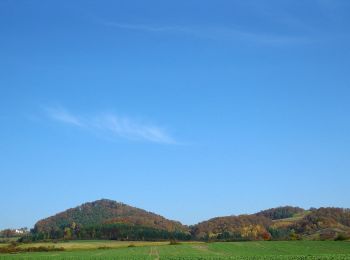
(190, 109)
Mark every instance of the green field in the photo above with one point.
(191, 250)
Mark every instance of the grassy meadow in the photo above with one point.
(190, 250)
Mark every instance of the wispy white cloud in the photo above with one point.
(148, 27)
(214, 32)
(131, 129)
(111, 125)
(62, 115)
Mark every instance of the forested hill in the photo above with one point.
(280, 212)
(95, 216)
(282, 223)
(107, 219)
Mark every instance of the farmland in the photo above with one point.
(190, 250)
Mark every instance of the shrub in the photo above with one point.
(10, 249)
(104, 247)
(173, 242)
(42, 249)
(341, 237)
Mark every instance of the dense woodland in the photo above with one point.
(243, 227)
(106, 219)
(115, 231)
(106, 212)
(282, 223)
(280, 213)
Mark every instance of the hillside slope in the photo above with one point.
(280, 212)
(243, 227)
(107, 219)
(282, 223)
(102, 214)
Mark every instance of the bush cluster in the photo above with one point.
(13, 248)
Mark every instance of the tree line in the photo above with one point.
(115, 231)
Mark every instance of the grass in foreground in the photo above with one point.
(297, 250)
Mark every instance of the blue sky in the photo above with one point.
(191, 109)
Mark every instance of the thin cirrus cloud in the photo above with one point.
(215, 33)
(63, 116)
(111, 125)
